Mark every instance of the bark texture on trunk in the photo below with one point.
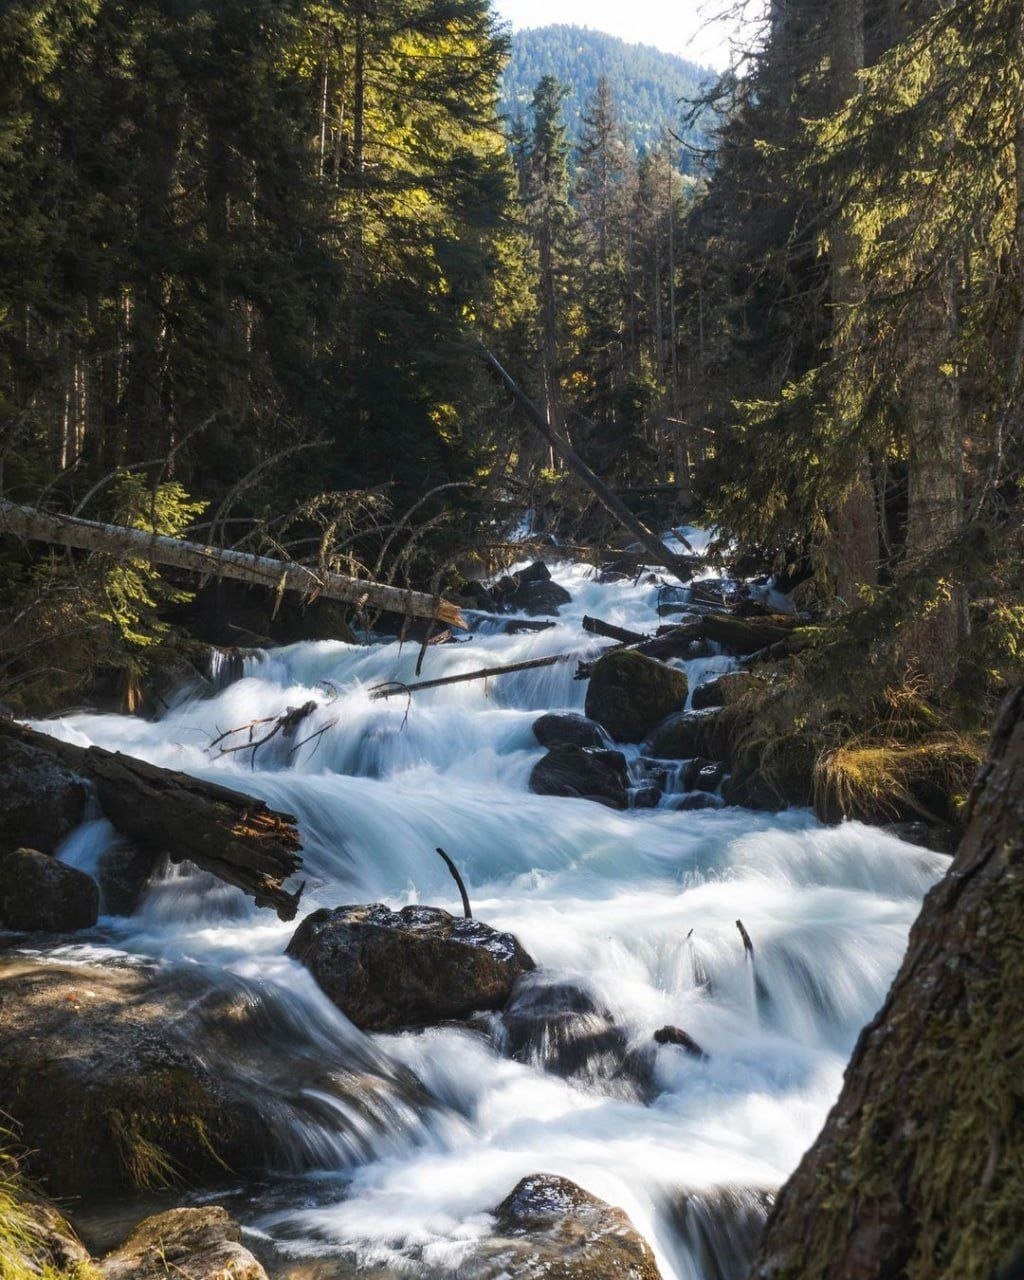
(919, 1171)
(855, 520)
(234, 836)
(278, 575)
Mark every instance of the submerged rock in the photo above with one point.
(560, 1028)
(40, 894)
(721, 1228)
(411, 968)
(41, 800)
(549, 1228)
(190, 1244)
(582, 773)
(125, 1078)
(629, 694)
(568, 729)
(680, 1038)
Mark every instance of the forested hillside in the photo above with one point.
(652, 86)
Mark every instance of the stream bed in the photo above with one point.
(630, 916)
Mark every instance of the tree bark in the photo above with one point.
(176, 553)
(855, 519)
(234, 836)
(918, 1173)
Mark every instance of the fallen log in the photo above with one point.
(656, 549)
(234, 836)
(193, 557)
(739, 636)
(396, 688)
(598, 627)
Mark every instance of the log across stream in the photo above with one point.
(636, 910)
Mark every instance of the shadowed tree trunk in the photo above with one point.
(919, 1171)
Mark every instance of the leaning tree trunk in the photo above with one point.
(919, 1171)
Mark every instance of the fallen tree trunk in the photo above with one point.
(234, 836)
(738, 636)
(919, 1170)
(614, 505)
(396, 688)
(193, 557)
(598, 627)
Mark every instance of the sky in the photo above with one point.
(677, 26)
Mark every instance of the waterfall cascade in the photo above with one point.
(631, 917)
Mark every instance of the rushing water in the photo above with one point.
(631, 917)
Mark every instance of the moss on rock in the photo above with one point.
(630, 693)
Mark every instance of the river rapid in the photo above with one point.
(637, 909)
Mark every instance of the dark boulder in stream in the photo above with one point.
(190, 1244)
(688, 735)
(126, 1078)
(387, 970)
(561, 1028)
(629, 694)
(568, 729)
(549, 1228)
(41, 800)
(41, 894)
(584, 774)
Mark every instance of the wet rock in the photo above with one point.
(629, 694)
(191, 1244)
(647, 797)
(556, 730)
(680, 1038)
(926, 835)
(721, 1228)
(40, 894)
(560, 1028)
(696, 801)
(688, 735)
(723, 691)
(123, 1078)
(41, 801)
(708, 775)
(411, 968)
(583, 773)
(539, 598)
(551, 1229)
(124, 871)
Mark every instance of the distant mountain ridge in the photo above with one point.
(651, 86)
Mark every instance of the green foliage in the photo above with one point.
(649, 83)
(131, 592)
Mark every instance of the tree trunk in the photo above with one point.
(855, 519)
(176, 553)
(234, 836)
(919, 1171)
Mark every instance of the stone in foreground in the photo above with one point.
(40, 894)
(190, 1244)
(557, 729)
(548, 1228)
(630, 693)
(386, 970)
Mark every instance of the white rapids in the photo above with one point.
(603, 900)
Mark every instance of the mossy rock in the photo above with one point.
(724, 690)
(121, 1079)
(630, 693)
(192, 1244)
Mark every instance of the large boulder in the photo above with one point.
(723, 690)
(190, 1244)
(549, 1228)
(121, 1078)
(531, 591)
(41, 800)
(411, 968)
(557, 729)
(40, 894)
(630, 693)
(688, 735)
(582, 773)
